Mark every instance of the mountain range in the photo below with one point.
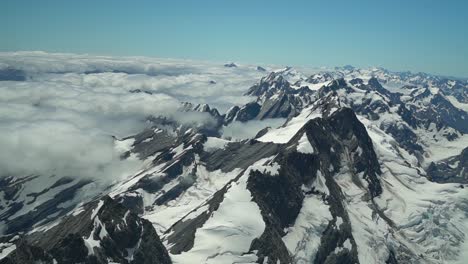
(367, 166)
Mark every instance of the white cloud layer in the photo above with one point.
(61, 119)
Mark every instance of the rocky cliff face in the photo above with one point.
(99, 232)
(276, 98)
(280, 192)
(453, 169)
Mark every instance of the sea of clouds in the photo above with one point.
(61, 118)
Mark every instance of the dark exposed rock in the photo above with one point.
(270, 85)
(455, 87)
(280, 197)
(436, 110)
(375, 85)
(27, 254)
(407, 116)
(10, 185)
(320, 78)
(248, 112)
(348, 127)
(449, 115)
(406, 137)
(238, 155)
(182, 233)
(10, 74)
(121, 237)
(283, 106)
(453, 169)
(149, 142)
(280, 200)
(262, 132)
(275, 99)
(203, 108)
(132, 201)
(59, 182)
(42, 211)
(174, 169)
(230, 65)
(140, 91)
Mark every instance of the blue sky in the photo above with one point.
(416, 35)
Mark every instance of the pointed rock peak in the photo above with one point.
(358, 82)
(270, 85)
(290, 74)
(248, 112)
(232, 110)
(421, 93)
(343, 131)
(186, 105)
(320, 77)
(230, 65)
(344, 113)
(335, 86)
(231, 114)
(327, 105)
(202, 108)
(373, 82)
(337, 83)
(261, 69)
(273, 77)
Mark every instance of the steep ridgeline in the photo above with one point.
(209, 128)
(316, 190)
(34, 200)
(456, 87)
(38, 199)
(245, 195)
(453, 169)
(276, 98)
(280, 94)
(98, 232)
(327, 187)
(422, 120)
(35, 205)
(422, 124)
(396, 215)
(435, 108)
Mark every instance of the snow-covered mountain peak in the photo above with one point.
(290, 74)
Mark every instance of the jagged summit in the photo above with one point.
(203, 108)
